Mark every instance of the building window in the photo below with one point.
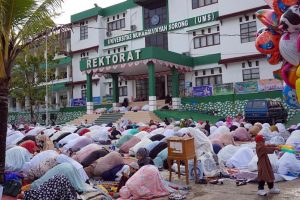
(207, 40)
(202, 3)
(251, 74)
(209, 80)
(83, 30)
(122, 91)
(159, 12)
(116, 25)
(83, 91)
(84, 56)
(248, 32)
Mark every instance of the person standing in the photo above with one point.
(265, 171)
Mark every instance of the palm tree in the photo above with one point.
(21, 23)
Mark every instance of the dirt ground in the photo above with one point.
(229, 191)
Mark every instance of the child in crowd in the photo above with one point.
(133, 167)
(265, 171)
(143, 157)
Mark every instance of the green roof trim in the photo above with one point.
(117, 8)
(85, 14)
(150, 53)
(58, 63)
(207, 59)
(57, 87)
(145, 53)
(108, 11)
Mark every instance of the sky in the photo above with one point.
(71, 7)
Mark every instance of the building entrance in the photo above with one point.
(142, 89)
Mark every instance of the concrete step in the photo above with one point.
(140, 116)
(90, 119)
(107, 118)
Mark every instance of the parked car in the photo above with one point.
(262, 110)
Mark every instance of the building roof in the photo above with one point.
(242, 12)
(108, 11)
(241, 58)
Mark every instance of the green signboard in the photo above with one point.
(209, 17)
(124, 57)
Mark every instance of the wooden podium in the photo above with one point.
(182, 149)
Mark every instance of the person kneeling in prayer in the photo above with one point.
(133, 167)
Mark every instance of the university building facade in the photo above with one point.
(144, 50)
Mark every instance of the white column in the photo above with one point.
(166, 85)
(56, 73)
(68, 72)
(152, 103)
(176, 102)
(18, 106)
(69, 96)
(27, 103)
(89, 108)
(57, 101)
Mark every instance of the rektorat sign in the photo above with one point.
(113, 59)
(209, 17)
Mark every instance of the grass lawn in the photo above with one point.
(177, 115)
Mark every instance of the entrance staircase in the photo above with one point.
(140, 116)
(108, 117)
(159, 103)
(90, 119)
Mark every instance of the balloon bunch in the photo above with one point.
(280, 41)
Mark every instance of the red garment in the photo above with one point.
(84, 131)
(264, 167)
(29, 145)
(259, 138)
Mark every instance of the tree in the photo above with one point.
(21, 23)
(27, 80)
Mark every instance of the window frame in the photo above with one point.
(206, 80)
(249, 36)
(84, 32)
(202, 3)
(205, 37)
(251, 74)
(116, 25)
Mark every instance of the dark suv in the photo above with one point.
(262, 110)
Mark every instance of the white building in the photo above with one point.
(153, 48)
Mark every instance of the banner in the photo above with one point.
(78, 102)
(203, 91)
(270, 85)
(97, 100)
(223, 89)
(246, 87)
(107, 100)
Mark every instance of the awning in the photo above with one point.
(58, 87)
